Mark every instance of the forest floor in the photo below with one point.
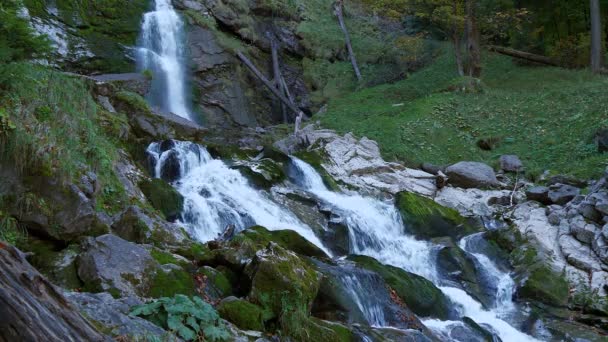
(547, 116)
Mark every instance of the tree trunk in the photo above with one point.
(596, 36)
(338, 10)
(456, 41)
(472, 39)
(276, 70)
(269, 84)
(32, 309)
(524, 55)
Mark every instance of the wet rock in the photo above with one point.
(135, 225)
(539, 194)
(427, 219)
(510, 163)
(35, 310)
(562, 193)
(171, 168)
(163, 197)
(472, 175)
(111, 264)
(113, 314)
(418, 293)
(216, 284)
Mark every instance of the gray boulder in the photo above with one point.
(114, 265)
(510, 163)
(562, 193)
(539, 194)
(113, 314)
(472, 175)
(135, 225)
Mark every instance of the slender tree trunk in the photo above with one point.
(596, 36)
(456, 41)
(338, 10)
(472, 31)
(276, 70)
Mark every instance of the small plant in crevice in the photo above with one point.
(10, 230)
(189, 318)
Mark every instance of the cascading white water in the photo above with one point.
(376, 230)
(354, 284)
(162, 53)
(375, 227)
(216, 196)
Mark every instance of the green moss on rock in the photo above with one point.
(217, 284)
(163, 197)
(287, 239)
(546, 286)
(242, 313)
(420, 295)
(172, 282)
(427, 219)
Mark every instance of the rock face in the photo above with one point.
(113, 314)
(471, 175)
(112, 264)
(32, 309)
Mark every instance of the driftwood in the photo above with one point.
(269, 84)
(339, 12)
(525, 55)
(32, 309)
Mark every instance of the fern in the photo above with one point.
(189, 318)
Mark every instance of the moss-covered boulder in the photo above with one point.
(141, 226)
(171, 280)
(215, 283)
(163, 197)
(263, 173)
(242, 313)
(57, 264)
(312, 329)
(545, 285)
(281, 281)
(418, 293)
(427, 219)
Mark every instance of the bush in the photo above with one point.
(190, 319)
(18, 41)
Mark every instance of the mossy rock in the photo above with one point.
(312, 329)
(165, 258)
(217, 285)
(263, 173)
(418, 293)
(242, 313)
(287, 239)
(56, 264)
(281, 281)
(427, 219)
(171, 281)
(163, 197)
(546, 286)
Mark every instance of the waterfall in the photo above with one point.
(161, 52)
(358, 286)
(216, 196)
(376, 230)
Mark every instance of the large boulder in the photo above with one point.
(468, 174)
(281, 281)
(163, 197)
(510, 163)
(242, 313)
(136, 225)
(33, 309)
(562, 193)
(111, 264)
(539, 194)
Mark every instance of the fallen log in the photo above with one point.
(338, 11)
(269, 84)
(525, 55)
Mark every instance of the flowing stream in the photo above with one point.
(161, 52)
(217, 196)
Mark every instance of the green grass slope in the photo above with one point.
(547, 116)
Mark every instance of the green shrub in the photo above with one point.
(189, 318)
(18, 41)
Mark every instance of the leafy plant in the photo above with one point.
(188, 318)
(10, 230)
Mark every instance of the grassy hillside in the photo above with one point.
(547, 116)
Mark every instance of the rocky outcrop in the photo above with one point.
(359, 163)
(32, 309)
(136, 225)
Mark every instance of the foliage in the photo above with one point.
(18, 41)
(547, 116)
(11, 231)
(188, 318)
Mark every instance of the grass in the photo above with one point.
(547, 116)
(54, 129)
